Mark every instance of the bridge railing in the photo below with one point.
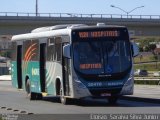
(121, 16)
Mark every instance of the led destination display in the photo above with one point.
(98, 34)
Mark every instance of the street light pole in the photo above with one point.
(135, 9)
(127, 12)
(36, 7)
(119, 8)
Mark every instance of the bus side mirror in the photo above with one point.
(67, 51)
(135, 49)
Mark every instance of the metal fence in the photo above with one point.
(121, 16)
(147, 80)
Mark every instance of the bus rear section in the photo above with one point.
(102, 62)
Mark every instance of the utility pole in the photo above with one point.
(36, 7)
(127, 12)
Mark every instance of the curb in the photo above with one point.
(145, 62)
(147, 82)
(140, 99)
(5, 80)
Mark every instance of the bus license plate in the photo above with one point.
(105, 94)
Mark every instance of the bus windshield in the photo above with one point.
(102, 57)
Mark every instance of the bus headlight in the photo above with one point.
(79, 83)
(129, 81)
(80, 88)
(128, 86)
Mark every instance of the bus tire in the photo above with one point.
(30, 95)
(112, 100)
(58, 87)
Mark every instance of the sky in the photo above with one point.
(151, 7)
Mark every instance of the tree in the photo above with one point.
(152, 47)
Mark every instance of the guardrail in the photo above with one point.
(147, 80)
(121, 16)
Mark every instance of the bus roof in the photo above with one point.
(57, 30)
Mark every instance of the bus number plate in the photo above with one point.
(105, 94)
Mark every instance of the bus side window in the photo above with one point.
(13, 51)
(58, 49)
(50, 49)
(34, 49)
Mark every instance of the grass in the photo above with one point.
(144, 59)
(150, 67)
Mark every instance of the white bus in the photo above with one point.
(74, 62)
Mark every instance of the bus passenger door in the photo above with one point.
(42, 63)
(66, 73)
(19, 66)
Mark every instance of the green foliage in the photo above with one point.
(145, 43)
(148, 58)
(150, 67)
(153, 58)
(146, 48)
(152, 47)
(5, 54)
(140, 49)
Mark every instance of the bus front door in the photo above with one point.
(66, 73)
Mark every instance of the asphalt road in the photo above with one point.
(13, 101)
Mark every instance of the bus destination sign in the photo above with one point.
(98, 34)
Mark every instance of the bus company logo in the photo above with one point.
(29, 54)
(35, 71)
(94, 84)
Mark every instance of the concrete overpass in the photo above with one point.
(18, 23)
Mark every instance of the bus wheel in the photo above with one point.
(112, 100)
(30, 95)
(63, 99)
